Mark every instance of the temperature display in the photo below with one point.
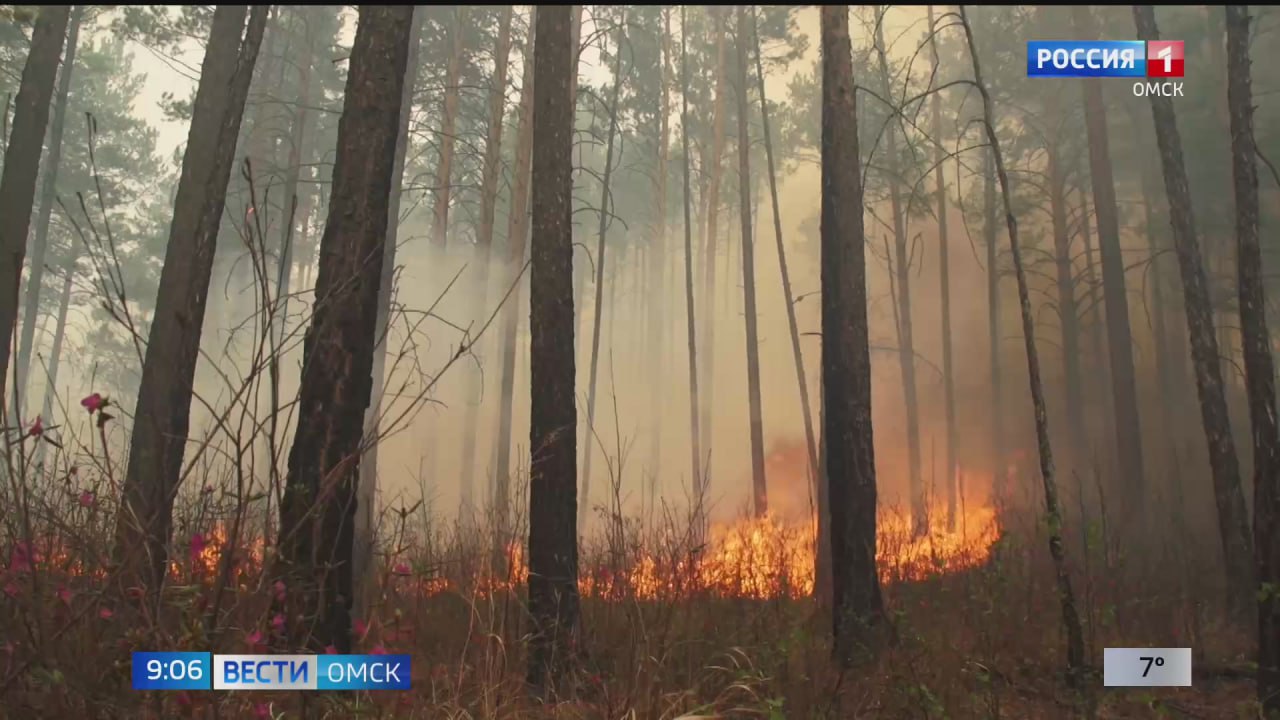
(1146, 667)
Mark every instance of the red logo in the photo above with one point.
(1164, 58)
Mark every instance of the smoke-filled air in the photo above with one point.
(640, 361)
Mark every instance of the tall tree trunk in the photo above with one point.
(22, 165)
(999, 471)
(657, 285)
(553, 540)
(606, 201)
(1124, 386)
(755, 415)
(906, 339)
(1102, 368)
(448, 130)
(55, 354)
(944, 290)
(162, 414)
(317, 514)
(48, 194)
(712, 214)
(857, 606)
(695, 438)
(1259, 365)
(479, 281)
(1070, 617)
(1233, 523)
(367, 491)
(824, 541)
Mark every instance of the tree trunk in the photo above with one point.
(22, 165)
(162, 414)
(714, 177)
(906, 339)
(1233, 523)
(553, 541)
(317, 513)
(999, 471)
(758, 486)
(606, 202)
(857, 606)
(448, 130)
(479, 281)
(55, 354)
(657, 285)
(48, 195)
(695, 439)
(1259, 366)
(367, 492)
(824, 542)
(952, 469)
(1102, 367)
(1124, 386)
(1070, 617)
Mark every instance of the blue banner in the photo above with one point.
(1086, 58)
(171, 671)
(364, 672)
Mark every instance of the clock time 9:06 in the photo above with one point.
(171, 671)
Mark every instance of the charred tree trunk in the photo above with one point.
(824, 541)
(553, 540)
(482, 256)
(367, 490)
(162, 414)
(1070, 617)
(714, 178)
(906, 340)
(448, 131)
(857, 607)
(1124, 386)
(48, 194)
(21, 166)
(951, 472)
(756, 418)
(695, 444)
(999, 470)
(1233, 523)
(605, 210)
(1259, 365)
(317, 514)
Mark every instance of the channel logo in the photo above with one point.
(1105, 58)
(203, 671)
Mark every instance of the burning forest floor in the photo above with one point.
(726, 628)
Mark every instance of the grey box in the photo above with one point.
(1146, 667)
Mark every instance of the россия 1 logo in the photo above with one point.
(1111, 58)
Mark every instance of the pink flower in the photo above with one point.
(87, 498)
(21, 557)
(64, 595)
(261, 710)
(279, 588)
(378, 650)
(253, 639)
(94, 403)
(105, 613)
(208, 489)
(330, 650)
(198, 543)
(361, 629)
(277, 622)
(183, 698)
(11, 589)
(401, 569)
(37, 427)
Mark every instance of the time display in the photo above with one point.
(171, 671)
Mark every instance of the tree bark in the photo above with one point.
(1102, 368)
(944, 290)
(657, 285)
(1124, 386)
(482, 256)
(1233, 522)
(999, 471)
(367, 492)
(22, 165)
(1053, 515)
(48, 196)
(755, 414)
(1259, 365)
(714, 179)
(448, 130)
(857, 606)
(553, 541)
(317, 513)
(605, 209)
(162, 414)
(695, 438)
